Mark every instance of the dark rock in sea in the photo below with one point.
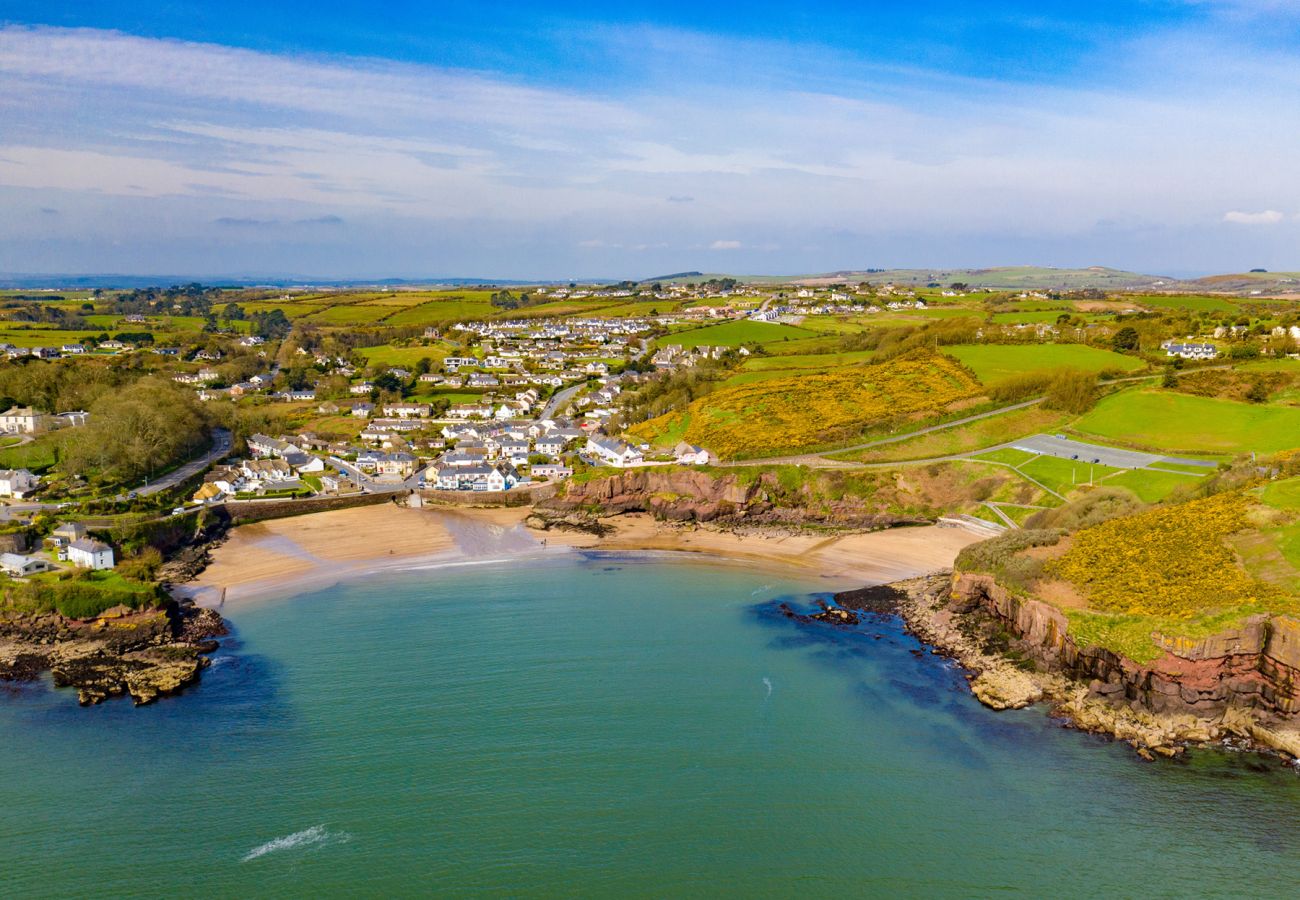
(829, 614)
(882, 599)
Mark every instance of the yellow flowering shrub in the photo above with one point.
(1169, 561)
(787, 415)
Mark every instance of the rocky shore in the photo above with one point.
(1006, 672)
(145, 654)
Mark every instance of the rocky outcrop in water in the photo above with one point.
(145, 654)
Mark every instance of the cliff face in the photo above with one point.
(685, 495)
(1256, 666)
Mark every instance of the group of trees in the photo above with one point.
(136, 431)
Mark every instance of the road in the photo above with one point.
(559, 401)
(220, 449)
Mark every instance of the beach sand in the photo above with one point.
(285, 556)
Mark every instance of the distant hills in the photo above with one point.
(996, 278)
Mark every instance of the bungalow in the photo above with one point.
(690, 455)
(615, 453)
(89, 553)
(17, 483)
(556, 471)
(338, 484)
(19, 565)
(363, 410)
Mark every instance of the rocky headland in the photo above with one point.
(1237, 688)
(145, 654)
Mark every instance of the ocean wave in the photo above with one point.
(313, 838)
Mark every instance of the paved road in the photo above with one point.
(559, 401)
(220, 449)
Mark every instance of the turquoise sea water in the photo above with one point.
(604, 727)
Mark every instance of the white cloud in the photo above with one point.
(1267, 217)
(844, 158)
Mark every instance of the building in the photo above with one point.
(1190, 351)
(690, 455)
(89, 553)
(18, 565)
(17, 483)
(22, 420)
(614, 453)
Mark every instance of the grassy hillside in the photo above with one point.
(783, 415)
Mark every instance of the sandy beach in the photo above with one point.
(285, 556)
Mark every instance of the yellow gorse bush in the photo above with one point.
(1170, 561)
(791, 414)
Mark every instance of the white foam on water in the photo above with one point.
(767, 681)
(309, 839)
(766, 587)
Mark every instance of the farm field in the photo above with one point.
(388, 355)
(792, 414)
(1170, 422)
(993, 363)
(1183, 301)
(733, 334)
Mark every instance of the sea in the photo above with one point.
(590, 725)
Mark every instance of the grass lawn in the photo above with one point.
(388, 355)
(1065, 475)
(993, 363)
(1150, 485)
(38, 455)
(1181, 423)
(1008, 455)
(733, 334)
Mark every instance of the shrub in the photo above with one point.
(1072, 391)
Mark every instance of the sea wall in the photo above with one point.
(1256, 666)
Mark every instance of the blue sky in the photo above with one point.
(342, 140)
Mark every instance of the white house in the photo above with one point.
(690, 455)
(614, 453)
(89, 553)
(17, 483)
(21, 420)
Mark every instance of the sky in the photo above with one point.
(334, 140)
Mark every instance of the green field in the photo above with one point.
(1151, 486)
(1181, 301)
(350, 315)
(993, 363)
(1171, 422)
(733, 334)
(388, 355)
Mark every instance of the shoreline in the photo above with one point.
(303, 553)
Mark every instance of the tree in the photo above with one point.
(1170, 380)
(1072, 391)
(1126, 339)
(1258, 392)
(137, 430)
